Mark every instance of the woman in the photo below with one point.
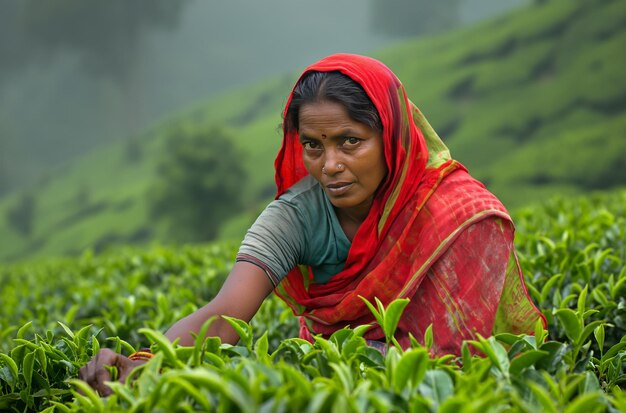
(369, 204)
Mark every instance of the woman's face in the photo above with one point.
(346, 157)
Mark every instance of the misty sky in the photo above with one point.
(217, 45)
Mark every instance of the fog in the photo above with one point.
(60, 105)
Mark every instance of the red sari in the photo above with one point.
(433, 234)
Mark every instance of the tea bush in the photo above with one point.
(57, 314)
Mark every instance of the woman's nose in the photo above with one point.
(332, 165)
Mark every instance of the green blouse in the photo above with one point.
(300, 227)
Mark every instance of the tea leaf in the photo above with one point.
(540, 333)
(571, 323)
(22, 331)
(589, 328)
(164, 345)
(547, 287)
(392, 316)
(344, 376)
(42, 359)
(67, 330)
(12, 366)
(210, 380)
(95, 346)
(59, 407)
(436, 386)
(542, 396)
(466, 357)
(614, 350)
(590, 384)
(410, 369)
(582, 300)
(585, 403)
(200, 339)
(359, 331)
(428, 337)
(525, 360)
(192, 391)
(260, 348)
(600, 297)
(88, 394)
(27, 369)
(377, 314)
(243, 329)
(123, 391)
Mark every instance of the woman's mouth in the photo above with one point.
(338, 188)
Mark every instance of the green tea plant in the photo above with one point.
(565, 246)
(57, 314)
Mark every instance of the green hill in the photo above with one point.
(534, 103)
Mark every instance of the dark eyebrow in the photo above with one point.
(302, 137)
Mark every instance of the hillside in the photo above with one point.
(534, 103)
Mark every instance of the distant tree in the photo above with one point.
(82, 196)
(6, 161)
(198, 184)
(414, 17)
(4, 179)
(22, 215)
(4, 175)
(132, 150)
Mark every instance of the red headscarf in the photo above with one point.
(395, 246)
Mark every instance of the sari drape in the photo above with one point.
(426, 200)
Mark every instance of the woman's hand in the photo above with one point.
(241, 296)
(95, 373)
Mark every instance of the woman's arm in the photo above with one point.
(241, 296)
(272, 242)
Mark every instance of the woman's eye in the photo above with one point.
(309, 145)
(352, 141)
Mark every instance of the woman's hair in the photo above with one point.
(335, 87)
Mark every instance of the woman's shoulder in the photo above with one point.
(463, 194)
(458, 202)
(303, 190)
(303, 203)
(307, 198)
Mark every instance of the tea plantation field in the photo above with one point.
(56, 314)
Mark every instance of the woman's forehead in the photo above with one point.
(329, 115)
